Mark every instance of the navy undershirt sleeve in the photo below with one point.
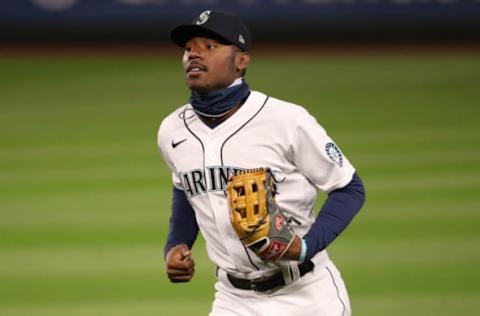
(335, 215)
(183, 228)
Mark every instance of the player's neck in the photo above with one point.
(215, 107)
(213, 122)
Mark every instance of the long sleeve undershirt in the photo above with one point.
(336, 213)
(183, 227)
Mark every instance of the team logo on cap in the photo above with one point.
(241, 39)
(203, 17)
(334, 153)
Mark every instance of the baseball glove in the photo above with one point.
(255, 216)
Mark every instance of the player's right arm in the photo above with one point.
(180, 263)
(183, 227)
(183, 230)
(319, 159)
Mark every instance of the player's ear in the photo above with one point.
(242, 61)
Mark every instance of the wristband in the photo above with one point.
(303, 252)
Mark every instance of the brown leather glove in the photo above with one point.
(255, 216)
(180, 264)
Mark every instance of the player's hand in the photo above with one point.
(293, 252)
(180, 264)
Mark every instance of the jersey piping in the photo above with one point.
(222, 164)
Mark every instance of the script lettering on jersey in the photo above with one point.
(198, 181)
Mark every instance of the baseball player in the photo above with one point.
(278, 265)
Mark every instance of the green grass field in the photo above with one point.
(84, 194)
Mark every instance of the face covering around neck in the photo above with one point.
(218, 103)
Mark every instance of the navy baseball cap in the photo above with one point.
(224, 27)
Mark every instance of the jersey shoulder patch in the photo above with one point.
(334, 153)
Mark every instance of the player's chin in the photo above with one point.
(197, 84)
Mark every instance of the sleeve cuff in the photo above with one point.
(303, 251)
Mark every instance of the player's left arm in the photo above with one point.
(337, 212)
(320, 160)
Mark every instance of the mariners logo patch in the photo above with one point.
(203, 17)
(334, 153)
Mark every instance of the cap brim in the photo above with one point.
(182, 33)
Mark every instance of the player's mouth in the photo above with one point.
(195, 68)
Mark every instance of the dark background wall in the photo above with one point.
(270, 20)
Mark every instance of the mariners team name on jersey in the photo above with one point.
(198, 181)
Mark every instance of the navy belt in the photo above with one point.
(269, 283)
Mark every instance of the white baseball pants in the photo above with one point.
(321, 292)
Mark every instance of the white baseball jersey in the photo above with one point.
(264, 132)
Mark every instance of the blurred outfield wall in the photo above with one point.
(270, 20)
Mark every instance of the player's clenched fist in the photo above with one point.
(180, 264)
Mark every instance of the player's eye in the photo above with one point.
(211, 46)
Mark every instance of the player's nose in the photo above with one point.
(193, 52)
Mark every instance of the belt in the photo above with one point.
(268, 283)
